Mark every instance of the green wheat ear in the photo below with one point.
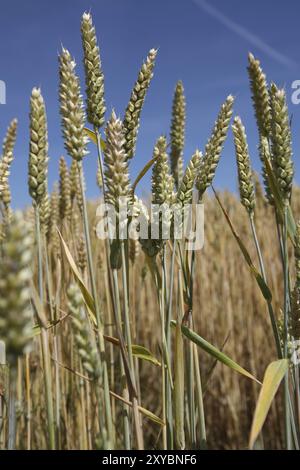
(162, 180)
(246, 185)
(65, 203)
(73, 179)
(131, 120)
(75, 185)
(281, 144)
(94, 78)
(15, 276)
(177, 133)
(115, 160)
(162, 194)
(260, 96)
(38, 148)
(71, 108)
(262, 110)
(45, 213)
(6, 161)
(53, 236)
(185, 192)
(82, 257)
(214, 147)
(86, 349)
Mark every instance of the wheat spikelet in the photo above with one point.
(185, 192)
(75, 187)
(214, 147)
(246, 185)
(38, 149)
(65, 203)
(162, 180)
(15, 275)
(132, 114)
(10, 137)
(116, 167)
(5, 162)
(71, 108)
(137, 210)
(73, 179)
(5, 194)
(79, 198)
(44, 211)
(82, 259)
(94, 78)
(54, 222)
(77, 224)
(177, 133)
(6, 220)
(264, 153)
(162, 194)
(281, 144)
(86, 349)
(260, 96)
(262, 110)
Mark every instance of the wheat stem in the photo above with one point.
(45, 340)
(286, 325)
(138, 427)
(12, 407)
(263, 273)
(102, 358)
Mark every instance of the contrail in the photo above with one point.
(245, 34)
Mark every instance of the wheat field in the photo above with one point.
(141, 343)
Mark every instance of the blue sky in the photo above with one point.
(203, 43)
